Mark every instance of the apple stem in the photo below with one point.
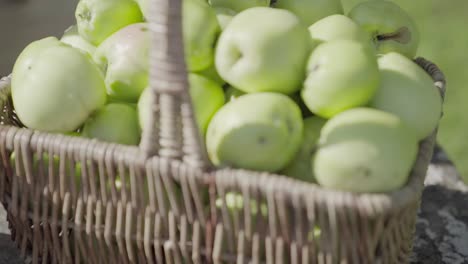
(402, 35)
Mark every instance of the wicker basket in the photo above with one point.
(66, 210)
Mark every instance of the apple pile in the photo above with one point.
(288, 86)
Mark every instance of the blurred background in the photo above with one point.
(23, 21)
(444, 41)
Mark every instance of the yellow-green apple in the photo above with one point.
(124, 56)
(73, 38)
(264, 140)
(341, 74)
(337, 27)
(391, 28)
(311, 11)
(238, 5)
(207, 97)
(365, 150)
(264, 50)
(212, 74)
(407, 91)
(98, 19)
(200, 32)
(301, 166)
(55, 87)
(144, 7)
(116, 123)
(234, 202)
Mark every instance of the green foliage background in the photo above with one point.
(443, 27)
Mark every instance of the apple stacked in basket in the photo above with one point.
(292, 87)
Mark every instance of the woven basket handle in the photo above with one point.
(172, 131)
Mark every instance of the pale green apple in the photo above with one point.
(224, 16)
(337, 27)
(391, 28)
(98, 19)
(365, 150)
(207, 98)
(311, 11)
(124, 56)
(341, 74)
(55, 87)
(232, 93)
(73, 38)
(238, 5)
(409, 92)
(264, 50)
(145, 106)
(300, 167)
(259, 131)
(115, 123)
(200, 32)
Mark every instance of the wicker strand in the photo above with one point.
(172, 131)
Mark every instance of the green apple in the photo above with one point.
(124, 56)
(54, 164)
(264, 50)
(341, 74)
(212, 74)
(238, 5)
(200, 32)
(98, 19)
(365, 150)
(73, 38)
(301, 168)
(224, 16)
(234, 202)
(409, 92)
(264, 140)
(116, 123)
(207, 98)
(311, 11)
(55, 87)
(232, 93)
(391, 28)
(337, 27)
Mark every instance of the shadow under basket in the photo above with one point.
(77, 200)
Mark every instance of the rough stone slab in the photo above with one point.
(441, 229)
(9, 254)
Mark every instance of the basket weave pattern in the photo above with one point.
(64, 208)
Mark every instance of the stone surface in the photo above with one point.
(442, 225)
(9, 254)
